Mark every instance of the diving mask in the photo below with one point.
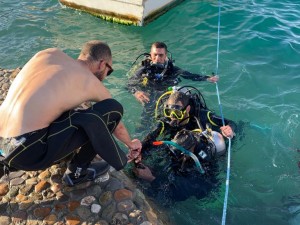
(175, 111)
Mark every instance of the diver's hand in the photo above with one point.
(213, 79)
(135, 146)
(144, 172)
(227, 131)
(134, 155)
(142, 97)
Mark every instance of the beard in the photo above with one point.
(99, 75)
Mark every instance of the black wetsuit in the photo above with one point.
(164, 128)
(176, 177)
(90, 130)
(148, 79)
(175, 180)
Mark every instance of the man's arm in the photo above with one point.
(227, 130)
(193, 76)
(134, 86)
(122, 134)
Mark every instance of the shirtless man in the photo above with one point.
(39, 123)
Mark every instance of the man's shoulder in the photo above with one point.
(49, 52)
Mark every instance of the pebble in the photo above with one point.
(40, 197)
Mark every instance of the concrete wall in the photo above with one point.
(130, 12)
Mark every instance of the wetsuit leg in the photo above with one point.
(111, 113)
(72, 130)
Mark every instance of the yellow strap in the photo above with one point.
(208, 117)
(162, 129)
(197, 130)
(145, 81)
(158, 101)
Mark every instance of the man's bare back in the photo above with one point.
(48, 85)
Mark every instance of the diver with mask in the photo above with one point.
(187, 122)
(185, 110)
(156, 73)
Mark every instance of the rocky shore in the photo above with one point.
(40, 197)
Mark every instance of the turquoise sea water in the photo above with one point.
(259, 69)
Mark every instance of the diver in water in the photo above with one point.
(175, 176)
(190, 124)
(184, 109)
(155, 75)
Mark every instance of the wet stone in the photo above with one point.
(146, 223)
(3, 207)
(87, 201)
(106, 198)
(56, 187)
(19, 217)
(25, 176)
(109, 211)
(72, 205)
(33, 173)
(42, 185)
(35, 197)
(56, 179)
(16, 181)
(83, 212)
(72, 220)
(44, 175)
(139, 199)
(5, 199)
(122, 194)
(3, 189)
(77, 194)
(13, 191)
(48, 194)
(5, 87)
(15, 72)
(126, 206)
(59, 207)
(21, 198)
(50, 219)
(31, 220)
(24, 205)
(101, 222)
(120, 219)
(114, 185)
(4, 220)
(138, 218)
(95, 190)
(26, 189)
(95, 208)
(31, 181)
(16, 174)
(41, 212)
(61, 197)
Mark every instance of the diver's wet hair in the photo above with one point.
(159, 45)
(96, 50)
(178, 96)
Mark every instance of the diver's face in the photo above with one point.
(176, 112)
(158, 55)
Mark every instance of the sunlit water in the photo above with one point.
(259, 69)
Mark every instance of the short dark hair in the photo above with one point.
(96, 50)
(178, 96)
(159, 44)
